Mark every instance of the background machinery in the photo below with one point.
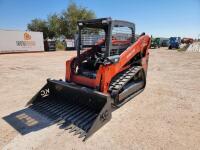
(110, 68)
(174, 42)
(155, 42)
(165, 43)
(187, 40)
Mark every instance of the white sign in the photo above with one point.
(20, 41)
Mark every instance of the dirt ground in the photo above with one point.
(165, 116)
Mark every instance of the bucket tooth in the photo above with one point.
(74, 128)
(64, 124)
(69, 127)
(82, 134)
(78, 131)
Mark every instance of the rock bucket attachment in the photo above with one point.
(79, 109)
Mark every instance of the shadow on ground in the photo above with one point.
(27, 120)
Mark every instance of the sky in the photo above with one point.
(163, 18)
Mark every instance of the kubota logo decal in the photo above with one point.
(45, 92)
(27, 36)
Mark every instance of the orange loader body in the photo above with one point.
(106, 73)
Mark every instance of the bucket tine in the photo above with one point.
(78, 131)
(73, 129)
(82, 134)
(69, 126)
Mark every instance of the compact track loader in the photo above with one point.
(110, 69)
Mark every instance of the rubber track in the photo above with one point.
(123, 78)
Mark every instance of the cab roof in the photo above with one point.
(102, 22)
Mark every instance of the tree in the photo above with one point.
(54, 26)
(62, 24)
(39, 25)
(70, 17)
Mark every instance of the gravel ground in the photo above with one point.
(165, 116)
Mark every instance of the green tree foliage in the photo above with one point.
(54, 26)
(39, 25)
(72, 15)
(63, 24)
